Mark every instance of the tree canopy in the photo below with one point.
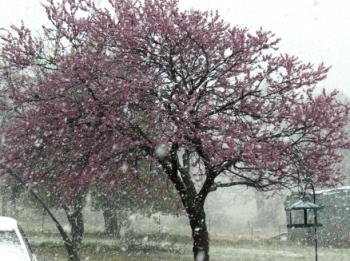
(213, 104)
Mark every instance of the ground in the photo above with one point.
(153, 248)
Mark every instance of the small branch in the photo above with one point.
(251, 184)
(66, 239)
(230, 184)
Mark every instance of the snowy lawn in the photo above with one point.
(56, 253)
(108, 250)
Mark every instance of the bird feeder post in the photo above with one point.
(306, 207)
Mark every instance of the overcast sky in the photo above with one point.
(316, 31)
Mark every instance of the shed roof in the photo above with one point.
(333, 190)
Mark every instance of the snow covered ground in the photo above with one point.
(164, 250)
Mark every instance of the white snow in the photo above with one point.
(161, 151)
(333, 191)
(200, 256)
(124, 168)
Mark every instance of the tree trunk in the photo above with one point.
(13, 202)
(192, 200)
(200, 234)
(112, 227)
(76, 223)
(3, 201)
(73, 254)
(266, 210)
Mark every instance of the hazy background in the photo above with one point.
(316, 31)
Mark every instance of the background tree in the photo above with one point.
(214, 105)
(142, 196)
(51, 194)
(10, 191)
(268, 205)
(69, 243)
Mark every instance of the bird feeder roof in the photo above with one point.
(300, 205)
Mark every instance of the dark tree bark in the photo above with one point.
(192, 200)
(76, 221)
(77, 227)
(73, 253)
(3, 202)
(13, 202)
(200, 234)
(112, 226)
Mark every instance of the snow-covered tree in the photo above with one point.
(213, 104)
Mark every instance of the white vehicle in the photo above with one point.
(13, 244)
